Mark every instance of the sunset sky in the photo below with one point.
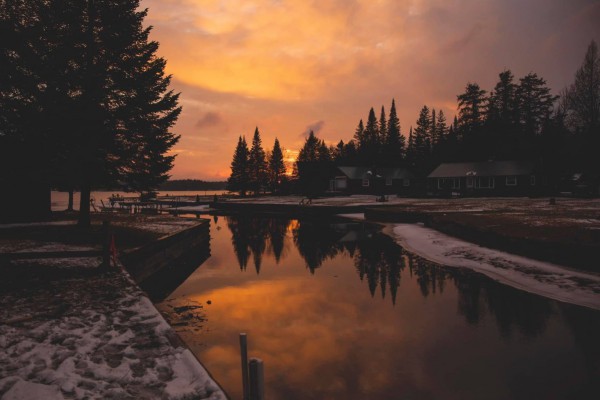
(291, 66)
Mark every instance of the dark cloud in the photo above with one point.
(315, 127)
(209, 119)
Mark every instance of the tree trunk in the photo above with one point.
(84, 207)
(70, 205)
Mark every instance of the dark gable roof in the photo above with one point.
(486, 168)
(362, 172)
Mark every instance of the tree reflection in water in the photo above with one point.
(381, 261)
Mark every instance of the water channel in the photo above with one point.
(337, 310)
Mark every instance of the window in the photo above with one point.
(455, 183)
(406, 182)
(365, 182)
(532, 180)
(388, 181)
(440, 183)
(485, 182)
(511, 181)
(470, 181)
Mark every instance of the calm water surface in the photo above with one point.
(339, 311)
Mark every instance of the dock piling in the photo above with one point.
(244, 354)
(257, 379)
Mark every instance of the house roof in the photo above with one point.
(486, 168)
(363, 172)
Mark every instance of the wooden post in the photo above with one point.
(244, 353)
(257, 379)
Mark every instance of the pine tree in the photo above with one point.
(583, 96)
(441, 127)
(101, 98)
(471, 105)
(257, 164)
(422, 139)
(323, 152)
(535, 103)
(410, 149)
(433, 130)
(582, 106)
(310, 151)
(383, 128)
(502, 104)
(359, 134)
(370, 146)
(276, 167)
(394, 145)
(238, 180)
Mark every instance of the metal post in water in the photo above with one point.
(244, 353)
(257, 379)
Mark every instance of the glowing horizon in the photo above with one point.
(289, 67)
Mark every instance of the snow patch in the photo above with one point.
(542, 278)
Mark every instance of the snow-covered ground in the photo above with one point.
(542, 278)
(89, 334)
(97, 337)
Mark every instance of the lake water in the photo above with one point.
(337, 310)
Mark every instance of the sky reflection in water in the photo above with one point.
(339, 311)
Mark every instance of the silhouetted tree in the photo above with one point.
(582, 111)
(471, 107)
(257, 164)
(422, 140)
(276, 167)
(238, 180)
(96, 90)
(368, 149)
(383, 128)
(359, 134)
(394, 144)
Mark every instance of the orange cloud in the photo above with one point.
(283, 64)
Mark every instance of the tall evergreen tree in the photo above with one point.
(410, 149)
(310, 151)
(441, 128)
(257, 164)
(103, 86)
(535, 103)
(276, 167)
(359, 134)
(433, 129)
(471, 107)
(238, 180)
(582, 111)
(422, 138)
(502, 104)
(370, 146)
(394, 145)
(383, 128)
(583, 96)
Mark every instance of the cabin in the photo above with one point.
(370, 180)
(488, 178)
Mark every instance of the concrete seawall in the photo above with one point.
(162, 256)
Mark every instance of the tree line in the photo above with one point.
(517, 120)
(84, 99)
(254, 170)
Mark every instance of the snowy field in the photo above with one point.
(542, 278)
